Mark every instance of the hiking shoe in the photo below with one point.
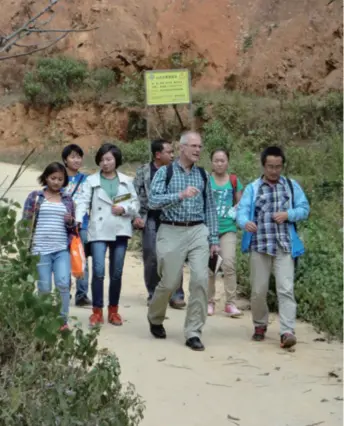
(195, 344)
(97, 317)
(158, 330)
(211, 309)
(232, 310)
(288, 340)
(259, 333)
(83, 301)
(114, 317)
(177, 304)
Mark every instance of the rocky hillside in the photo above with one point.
(251, 45)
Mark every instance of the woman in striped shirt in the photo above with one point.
(51, 213)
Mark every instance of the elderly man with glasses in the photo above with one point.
(188, 230)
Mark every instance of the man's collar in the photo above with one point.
(181, 165)
(263, 181)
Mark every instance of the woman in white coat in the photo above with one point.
(111, 199)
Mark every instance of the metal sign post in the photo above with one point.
(168, 87)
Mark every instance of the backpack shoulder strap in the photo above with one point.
(234, 181)
(291, 187)
(205, 181)
(169, 174)
(77, 185)
(203, 174)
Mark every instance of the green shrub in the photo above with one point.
(135, 152)
(215, 136)
(56, 81)
(52, 80)
(48, 377)
(133, 87)
(101, 79)
(259, 121)
(319, 275)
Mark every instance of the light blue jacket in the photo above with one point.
(296, 213)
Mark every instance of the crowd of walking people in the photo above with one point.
(186, 215)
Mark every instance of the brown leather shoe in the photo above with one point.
(96, 317)
(114, 317)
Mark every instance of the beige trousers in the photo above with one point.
(228, 254)
(282, 266)
(174, 245)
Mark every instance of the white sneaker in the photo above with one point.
(211, 309)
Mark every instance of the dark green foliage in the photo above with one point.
(54, 81)
(48, 377)
(310, 131)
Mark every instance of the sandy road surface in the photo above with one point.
(257, 384)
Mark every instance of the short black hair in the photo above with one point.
(274, 151)
(224, 150)
(158, 146)
(49, 170)
(109, 147)
(67, 150)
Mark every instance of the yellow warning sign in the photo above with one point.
(167, 87)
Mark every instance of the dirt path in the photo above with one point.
(234, 382)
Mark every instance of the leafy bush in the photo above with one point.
(137, 151)
(216, 136)
(319, 274)
(101, 78)
(258, 121)
(133, 87)
(49, 377)
(55, 81)
(52, 79)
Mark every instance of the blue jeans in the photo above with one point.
(58, 264)
(82, 283)
(150, 262)
(117, 253)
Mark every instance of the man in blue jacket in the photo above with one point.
(268, 212)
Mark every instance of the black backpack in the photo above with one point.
(169, 174)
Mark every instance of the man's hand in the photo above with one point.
(189, 192)
(139, 223)
(117, 210)
(214, 249)
(251, 227)
(280, 217)
(68, 218)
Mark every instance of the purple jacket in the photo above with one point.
(33, 204)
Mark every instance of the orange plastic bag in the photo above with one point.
(77, 257)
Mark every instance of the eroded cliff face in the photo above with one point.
(251, 45)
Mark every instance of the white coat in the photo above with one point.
(103, 225)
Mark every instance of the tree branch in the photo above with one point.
(23, 166)
(31, 27)
(33, 19)
(33, 30)
(3, 58)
